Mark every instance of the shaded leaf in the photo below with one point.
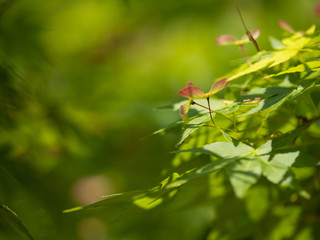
(243, 173)
(272, 102)
(305, 160)
(257, 202)
(10, 220)
(287, 138)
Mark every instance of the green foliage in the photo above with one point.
(79, 83)
(266, 127)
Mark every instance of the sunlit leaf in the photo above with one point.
(147, 202)
(184, 109)
(201, 172)
(275, 167)
(193, 125)
(191, 91)
(218, 86)
(255, 67)
(305, 67)
(311, 30)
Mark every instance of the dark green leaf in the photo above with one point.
(272, 102)
(10, 220)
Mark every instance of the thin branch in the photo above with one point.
(210, 112)
(245, 54)
(248, 32)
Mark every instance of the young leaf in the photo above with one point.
(284, 25)
(226, 40)
(191, 91)
(218, 86)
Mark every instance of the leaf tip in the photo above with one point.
(225, 40)
(72, 209)
(285, 26)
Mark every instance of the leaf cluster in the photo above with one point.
(262, 149)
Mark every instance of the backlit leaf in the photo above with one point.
(218, 86)
(305, 67)
(191, 91)
(275, 167)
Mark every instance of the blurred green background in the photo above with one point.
(80, 81)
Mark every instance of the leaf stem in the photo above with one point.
(244, 25)
(245, 54)
(202, 106)
(221, 114)
(248, 32)
(210, 112)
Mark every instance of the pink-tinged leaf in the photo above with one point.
(190, 91)
(184, 109)
(218, 86)
(317, 9)
(225, 40)
(255, 33)
(284, 25)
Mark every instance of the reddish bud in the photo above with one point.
(317, 9)
(225, 40)
(255, 33)
(284, 25)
